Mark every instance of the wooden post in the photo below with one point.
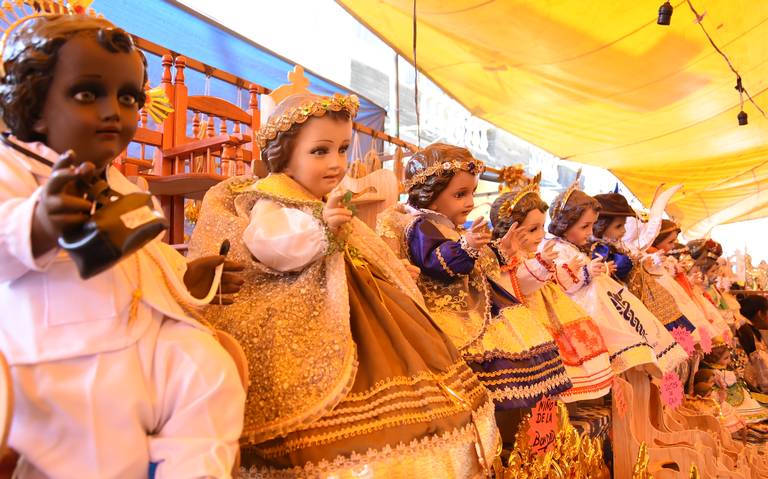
(259, 168)
(161, 166)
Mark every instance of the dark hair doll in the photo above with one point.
(502, 222)
(29, 59)
(424, 192)
(668, 228)
(277, 153)
(613, 208)
(705, 253)
(566, 215)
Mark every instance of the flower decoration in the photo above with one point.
(684, 339)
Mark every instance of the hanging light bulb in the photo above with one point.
(665, 14)
(742, 117)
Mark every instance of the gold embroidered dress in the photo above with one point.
(514, 356)
(349, 375)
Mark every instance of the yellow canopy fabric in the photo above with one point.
(599, 82)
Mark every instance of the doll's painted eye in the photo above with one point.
(128, 99)
(85, 96)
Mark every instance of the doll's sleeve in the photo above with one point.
(436, 255)
(532, 274)
(284, 239)
(17, 209)
(569, 268)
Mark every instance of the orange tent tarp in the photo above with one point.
(599, 82)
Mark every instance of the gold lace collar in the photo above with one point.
(283, 188)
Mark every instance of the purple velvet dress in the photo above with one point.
(512, 353)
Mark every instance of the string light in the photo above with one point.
(665, 14)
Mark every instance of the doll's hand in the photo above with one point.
(478, 235)
(548, 253)
(412, 269)
(596, 267)
(231, 282)
(335, 214)
(610, 267)
(61, 206)
(512, 241)
(200, 273)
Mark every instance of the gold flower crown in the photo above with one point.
(558, 207)
(301, 113)
(533, 186)
(14, 13)
(473, 166)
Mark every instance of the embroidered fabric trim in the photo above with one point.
(324, 438)
(409, 381)
(451, 455)
(444, 264)
(571, 274)
(472, 252)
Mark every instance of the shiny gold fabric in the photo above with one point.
(306, 314)
(658, 300)
(407, 403)
(399, 393)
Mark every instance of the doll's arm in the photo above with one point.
(199, 405)
(569, 267)
(534, 273)
(17, 210)
(284, 239)
(435, 255)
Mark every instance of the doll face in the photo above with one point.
(319, 158)
(92, 104)
(456, 201)
(533, 231)
(668, 243)
(581, 231)
(616, 229)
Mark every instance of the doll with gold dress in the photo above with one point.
(349, 374)
(513, 354)
(531, 275)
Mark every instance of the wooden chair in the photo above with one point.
(630, 431)
(187, 166)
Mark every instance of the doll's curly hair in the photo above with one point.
(571, 211)
(30, 57)
(423, 194)
(668, 227)
(277, 153)
(527, 203)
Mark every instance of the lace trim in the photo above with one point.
(451, 455)
(444, 264)
(473, 253)
(517, 392)
(545, 364)
(457, 382)
(533, 377)
(303, 442)
(410, 381)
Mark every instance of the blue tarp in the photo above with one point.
(185, 32)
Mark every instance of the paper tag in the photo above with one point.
(139, 216)
(543, 425)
